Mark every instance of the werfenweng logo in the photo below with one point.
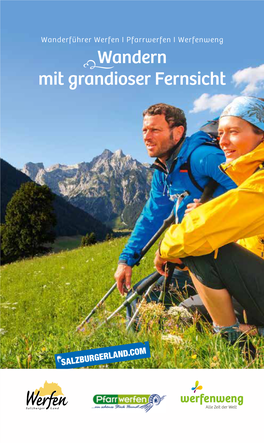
(213, 400)
(196, 387)
(145, 402)
(48, 397)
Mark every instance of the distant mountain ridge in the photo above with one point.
(70, 220)
(113, 187)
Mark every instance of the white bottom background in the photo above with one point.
(171, 420)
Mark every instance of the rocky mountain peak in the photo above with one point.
(113, 186)
(32, 169)
(106, 154)
(119, 153)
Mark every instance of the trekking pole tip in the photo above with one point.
(80, 328)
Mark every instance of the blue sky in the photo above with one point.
(53, 124)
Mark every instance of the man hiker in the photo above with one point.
(183, 167)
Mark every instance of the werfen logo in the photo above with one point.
(213, 400)
(145, 402)
(48, 397)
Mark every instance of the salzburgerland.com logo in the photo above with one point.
(48, 397)
(99, 356)
(231, 400)
(145, 402)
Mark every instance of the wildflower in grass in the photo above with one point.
(180, 312)
(3, 331)
(152, 316)
(67, 283)
(7, 305)
(194, 357)
(215, 363)
(173, 339)
(176, 317)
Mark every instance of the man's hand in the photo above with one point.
(160, 263)
(123, 278)
(192, 206)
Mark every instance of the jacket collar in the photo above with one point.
(243, 167)
(170, 163)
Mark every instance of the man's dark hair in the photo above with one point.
(173, 116)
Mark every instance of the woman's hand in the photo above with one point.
(191, 206)
(160, 263)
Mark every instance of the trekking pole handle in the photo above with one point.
(209, 189)
(207, 194)
(148, 282)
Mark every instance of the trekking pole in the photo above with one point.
(170, 266)
(167, 280)
(138, 292)
(139, 306)
(96, 307)
(166, 223)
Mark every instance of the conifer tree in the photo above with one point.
(88, 239)
(28, 222)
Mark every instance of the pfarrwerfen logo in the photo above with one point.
(145, 402)
(50, 396)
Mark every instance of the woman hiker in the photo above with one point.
(222, 241)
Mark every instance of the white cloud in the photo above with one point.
(213, 103)
(254, 77)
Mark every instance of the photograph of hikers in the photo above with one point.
(132, 185)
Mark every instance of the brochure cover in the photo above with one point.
(77, 77)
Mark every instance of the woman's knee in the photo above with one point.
(204, 269)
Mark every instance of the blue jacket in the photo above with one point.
(169, 182)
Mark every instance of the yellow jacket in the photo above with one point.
(236, 215)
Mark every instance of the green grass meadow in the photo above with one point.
(43, 300)
(66, 243)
